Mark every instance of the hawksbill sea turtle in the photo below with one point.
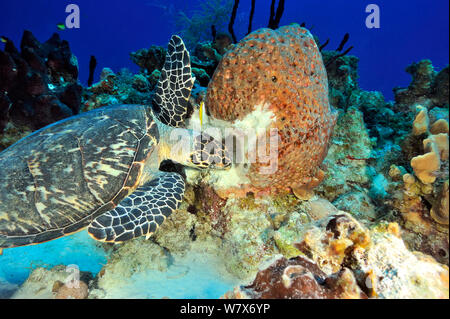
(100, 169)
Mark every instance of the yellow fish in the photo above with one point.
(61, 26)
(3, 39)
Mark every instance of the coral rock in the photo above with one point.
(299, 278)
(79, 291)
(439, 212)
(335, 238)
(390, 270)
(56, 282)
(427, 87)
(39, 85)
(348, 157)
(281, 69)
(149, 59)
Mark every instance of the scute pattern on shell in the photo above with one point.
(174, 86)
(63, 176)
(284, 69)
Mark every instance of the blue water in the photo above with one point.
(410, 30)
(77, 249)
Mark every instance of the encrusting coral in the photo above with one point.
(294, 92)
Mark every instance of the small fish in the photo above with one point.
(202, 108)
(3, 39)
(61, 26)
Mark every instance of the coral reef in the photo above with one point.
(299, 278)
(340, 258)
(54, 283)
(175, 234)
(245, 245)
(132, 257)
(197, 26)
(421, 195)
(121, 88)
(348, 156)
(376, 227)
(435, 146)
(303, 118)
(206, 57)
(428, 87)
(342, 77)
(38, 85)
(150, 59)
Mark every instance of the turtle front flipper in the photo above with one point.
(170, 103)
(141, 213)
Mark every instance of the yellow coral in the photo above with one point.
(441, 141)
(435, 145)
(440, 126)
(426, 165)
(421, 122)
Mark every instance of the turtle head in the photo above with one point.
(192, 148)
(208, 152)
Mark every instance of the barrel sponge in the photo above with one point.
(283, 69)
